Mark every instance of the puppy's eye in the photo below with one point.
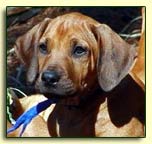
(43, 48)
(79, 51)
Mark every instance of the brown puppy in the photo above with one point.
(75, 59)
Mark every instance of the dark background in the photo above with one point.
(21, 19)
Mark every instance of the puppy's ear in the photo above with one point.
(115, 57)
(26, 48)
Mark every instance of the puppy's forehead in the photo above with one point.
(73, 22)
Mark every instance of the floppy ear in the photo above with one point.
(115, 57)
(26, 48)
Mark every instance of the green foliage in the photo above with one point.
(9, 102)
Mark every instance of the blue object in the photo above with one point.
(28, 115)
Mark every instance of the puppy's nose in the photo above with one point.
(50, 78)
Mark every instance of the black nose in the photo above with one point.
(50, 78)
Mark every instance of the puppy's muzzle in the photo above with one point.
(50, 78)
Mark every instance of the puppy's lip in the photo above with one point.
(54, 93)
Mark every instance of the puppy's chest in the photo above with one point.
(93, 121)
(76, 122)
(81, 121)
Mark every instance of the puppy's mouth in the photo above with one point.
(65, 94)
(62, 89)
(54, 84)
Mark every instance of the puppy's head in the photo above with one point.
(72, 54)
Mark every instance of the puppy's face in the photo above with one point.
(67, 55)
(72, 54)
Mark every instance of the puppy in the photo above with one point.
(85, 65)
